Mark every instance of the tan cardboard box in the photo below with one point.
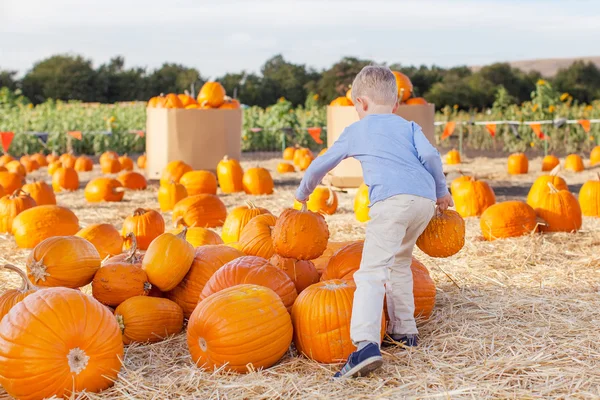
(349, 173)
(198, 137)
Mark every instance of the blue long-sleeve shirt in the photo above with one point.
(395, 155)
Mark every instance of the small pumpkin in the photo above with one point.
(230, 175)
(595, 156)
(305, 162)
(560, 211)
(145, 319)
(302, 235)
(405, 86)
(197, 236)
(361, 203)
(186, 100)
(416, 101)
(68, 261)
(110, 166)
(40, 159)
(302, 272)
(10, 181)
(322, 200)
(173, 172)
(202, 210)
(453, 157)
(238, 218)
(53, 167)
(35, 224)
(257, 181)
(5, 159)
(230, 104)
(16, 168)
(10, 298)
(52, 157)
(86, 350)
(550, 162)
(68, 160)
(285, 168)
(170, 194)
(104, 189)
(300, 154)
(41, 192)
(444, 236)
(207, 260)
(133, 181)
(141, 161)
(145, 224)
(288, 153)
(83, 164)
(573, 162)
(507, 219)
(29, 164)
(199, 182)
(172, 101)
(518, 164)
(457, 181)
(11, 206)
(212, 94)
(65, 179)
(540, 187)
(167, 260)
(126, 163)
(472, 197)
(248, 318)
(255, 239)
(589, 198)
(341, 101)
(106, 239)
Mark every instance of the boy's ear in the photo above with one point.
(363, 104)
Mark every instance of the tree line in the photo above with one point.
(72, 77)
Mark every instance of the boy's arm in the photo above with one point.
(431, 160)
(321, 166)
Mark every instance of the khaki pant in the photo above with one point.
(395, 225)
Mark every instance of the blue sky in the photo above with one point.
(231, 35)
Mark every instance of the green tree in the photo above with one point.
(516, 83)
(115, 83)
(581, 80)
(174, 78)
(281, 78)
(335, 81)
(8, 80)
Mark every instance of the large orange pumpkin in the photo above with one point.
(10, 298)
(68, 261)
(255, 239)
(145, 319)
(133, 181)
(207, 260)
(573, 162)
(38, 223)
(105, 238)
(212, 94)
(258, 181)
(85, 352)
(302, 273)
(197, 236)
(518, 164)
(65, 179)
(202, 210)
(560, 211)
(322, 200)
(230, 175)
(10, 181)
(507, 219)
(199, 182)
(444, 236)
(550, 162)
(83, 164)
(117, 281)
(167, 260)
(145, 224)
(344, 262)
(173, 172)
(405, 86)
(361, 203)
(237, 219)
(170, 194)
(12, 205)
(103, 189)
(41, 192)
(471, 196)
(248, 318)
(589, 198)
(540, 187)
(302, 235)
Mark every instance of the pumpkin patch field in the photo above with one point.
(120, 288)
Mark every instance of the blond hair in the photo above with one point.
(377, 83)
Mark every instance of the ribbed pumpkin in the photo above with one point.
(241, 329)
(300, 153)
(560, 211)
(230, 175)
(65, 179)
(341, 101)
(405, 86)
(444, 236)
(56, 342)
(361, 203)
(332, 247)
(68, 160)
(10, 181)
(302, 273)
(105, 238)
(589, 198)
(595, 156)
(252, 270)
(173, 172)
(472, 197)
(167, 260)
(141, 161)
(198, 236)
(133, 181)
(321, 318)
(126, 163)
(207, 260)
(423, 290)
(172, 101)
(10, 298)
(83, 164)
(145, 224)
(258, 181)
(237, 219)
(453, 157)
(41, 192)
(507, 219)
(40, 159)
(540, 187)
(170, 194)
(549, 163)
(12, 205)
(68, 261)
(288, 153)
(110, 166)
(53, 167)
(38, 223)
(145, 319)
(212, 94)
(573, 162)
(255, 239)
(285, 168)
(202, 210)
(16, 168)
(199, 182)
(305, 162)
(302, 235)
(103, 189)
(322, 200)
(344, 262)
(518, 164)
(2, 194)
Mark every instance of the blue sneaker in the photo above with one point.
(400, 340)
(361, 362)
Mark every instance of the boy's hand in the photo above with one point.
(444, 202)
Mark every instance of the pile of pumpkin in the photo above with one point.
(405, 91)
(301, 157)
(212, 95)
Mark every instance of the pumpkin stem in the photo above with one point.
(183, 233)
(329, 202)
(147, 287)
(251, 204)
(304, 207)
(78, 360)
(25, 284)
(121, 322)
(553, 188)
(598, 175)
(225, 157)
(37, 269)
(131, 257)
(138, 212)
(18, 192)
(555, 170)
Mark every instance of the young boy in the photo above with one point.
(405, 178)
